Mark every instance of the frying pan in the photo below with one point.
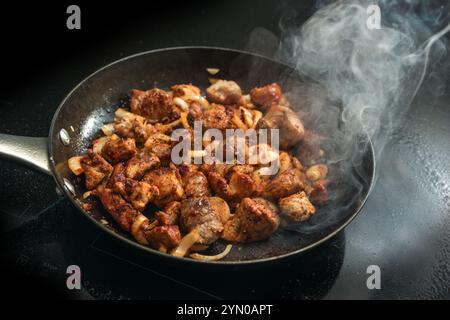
(93, 101)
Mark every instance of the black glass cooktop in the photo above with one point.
(403, 228)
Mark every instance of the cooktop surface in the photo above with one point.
(403, 228)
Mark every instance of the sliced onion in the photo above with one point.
(99, 144)
(136, 229)
(124, 114)
(186, 243)
(87, 194)
(163, 128)
(181, 103)
(238, 122)
(184, 120)
(105, 180)
(202, 101)
(108, 129)
(256, 116)
(213, 71)
(248, 117)
(216, 257)
(74, 164)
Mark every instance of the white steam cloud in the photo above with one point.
(373, 73)
(358, 80)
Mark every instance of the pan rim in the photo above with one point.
(67, 193)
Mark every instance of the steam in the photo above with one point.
(366, 78)
(374, 74)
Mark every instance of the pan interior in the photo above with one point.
(93, 102)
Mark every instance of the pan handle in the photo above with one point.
(32, 151)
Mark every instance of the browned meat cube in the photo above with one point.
(155, 105)
(206, 168)
(142, 194)
(160, 145)
(319, 192)
(290, 126)
(140, 163)
(240, 185)
(309, 150)
(266, 96)
(119, 168)
(170, 214)
(163, 151)
(95, 169)
(122, 212)
(285, 161)
(185, 170)
(292, 130)
(130, 125)
(254, 220)
(317, 172)
(220, 168)
(168, 182)
(284, 184)
(219, 185)
(273, 119)
(196, 185)
(216, 118)
(297, 207)
(139, 193)
(117, 149)
(260, 181)
(200, 214)
(163, 236)
(242, 168)
(224, 92)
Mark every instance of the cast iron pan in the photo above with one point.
(92, 103)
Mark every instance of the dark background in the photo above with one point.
(403, 228)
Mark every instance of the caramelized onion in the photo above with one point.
(186, 243)
(213, 71)
(74, 164)
(181, 103)
(163, 128)
(184, 120)
(108, 129)
(238, 122)
(257, 115)
(216, 257)
(87, 194)
(136, 229)
(99, 144)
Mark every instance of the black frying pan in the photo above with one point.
(92, 103)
